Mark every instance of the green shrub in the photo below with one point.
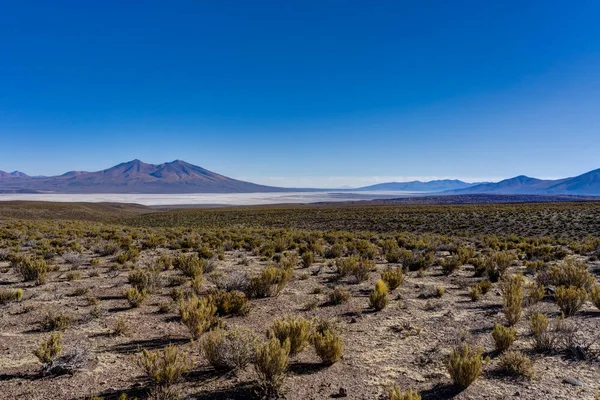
(145, 279)
(428, 292)
(307, 259)
(73, 276)
(366, 249)
(514, 362)
(345, 266)
(132, 254)
(464, 366)
(50, 349)
(7, 295)
(289, 261)
(512, 293)
(485, 287)
(570, 273)
(595, 296)
(228, 350)
(393, 277)
(450, 264)
(190, 265)
(497, 264)
(535, 293)
(395, 393)
(176, 294)
(164, 367)
(54, 321)
(475, 292)
(480, 264)
(230, 303)
(503, 337)
(393, 254)
(570, 299)
(328, 345)
(269, 283)
(362, 268)
(136, 297)
(543, 339)
(121, 327)
(270, 364)
(464, 254)
(106, 248)
(416, 261)
(196, 282)
(296, 331)
(198, 315)
(378, 298)
(18, 294)
(335, 251)
(338, 296)
(165, 262)
(31, 270)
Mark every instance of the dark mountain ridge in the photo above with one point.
(137, 177)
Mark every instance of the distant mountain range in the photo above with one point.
(418, 186)
(584, 184)
(181, 177)
(132, 177)
(14, 174)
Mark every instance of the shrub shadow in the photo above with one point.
(109, 297)
(304, 368)
(444, 391)
(482, 330)
(140, 392)
(21, 375)
(150, 344)
(241, 391)
(118, 309)
(485, 307)
(205, 374)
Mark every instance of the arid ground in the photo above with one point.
(77, 266)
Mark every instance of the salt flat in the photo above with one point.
(229, 199)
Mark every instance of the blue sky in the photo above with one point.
(303, 93)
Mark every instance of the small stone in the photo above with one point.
(572, 381)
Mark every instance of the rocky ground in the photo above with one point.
(407, 343)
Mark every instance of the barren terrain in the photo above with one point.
(442, 251)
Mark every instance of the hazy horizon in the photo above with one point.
(330, 182)
(303, 94)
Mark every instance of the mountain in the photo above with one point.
(181, 177)
(584, 184)
(418, 186)
(518, 185)
(14, 174)
(136, 177)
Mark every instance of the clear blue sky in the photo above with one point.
(303, 93)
